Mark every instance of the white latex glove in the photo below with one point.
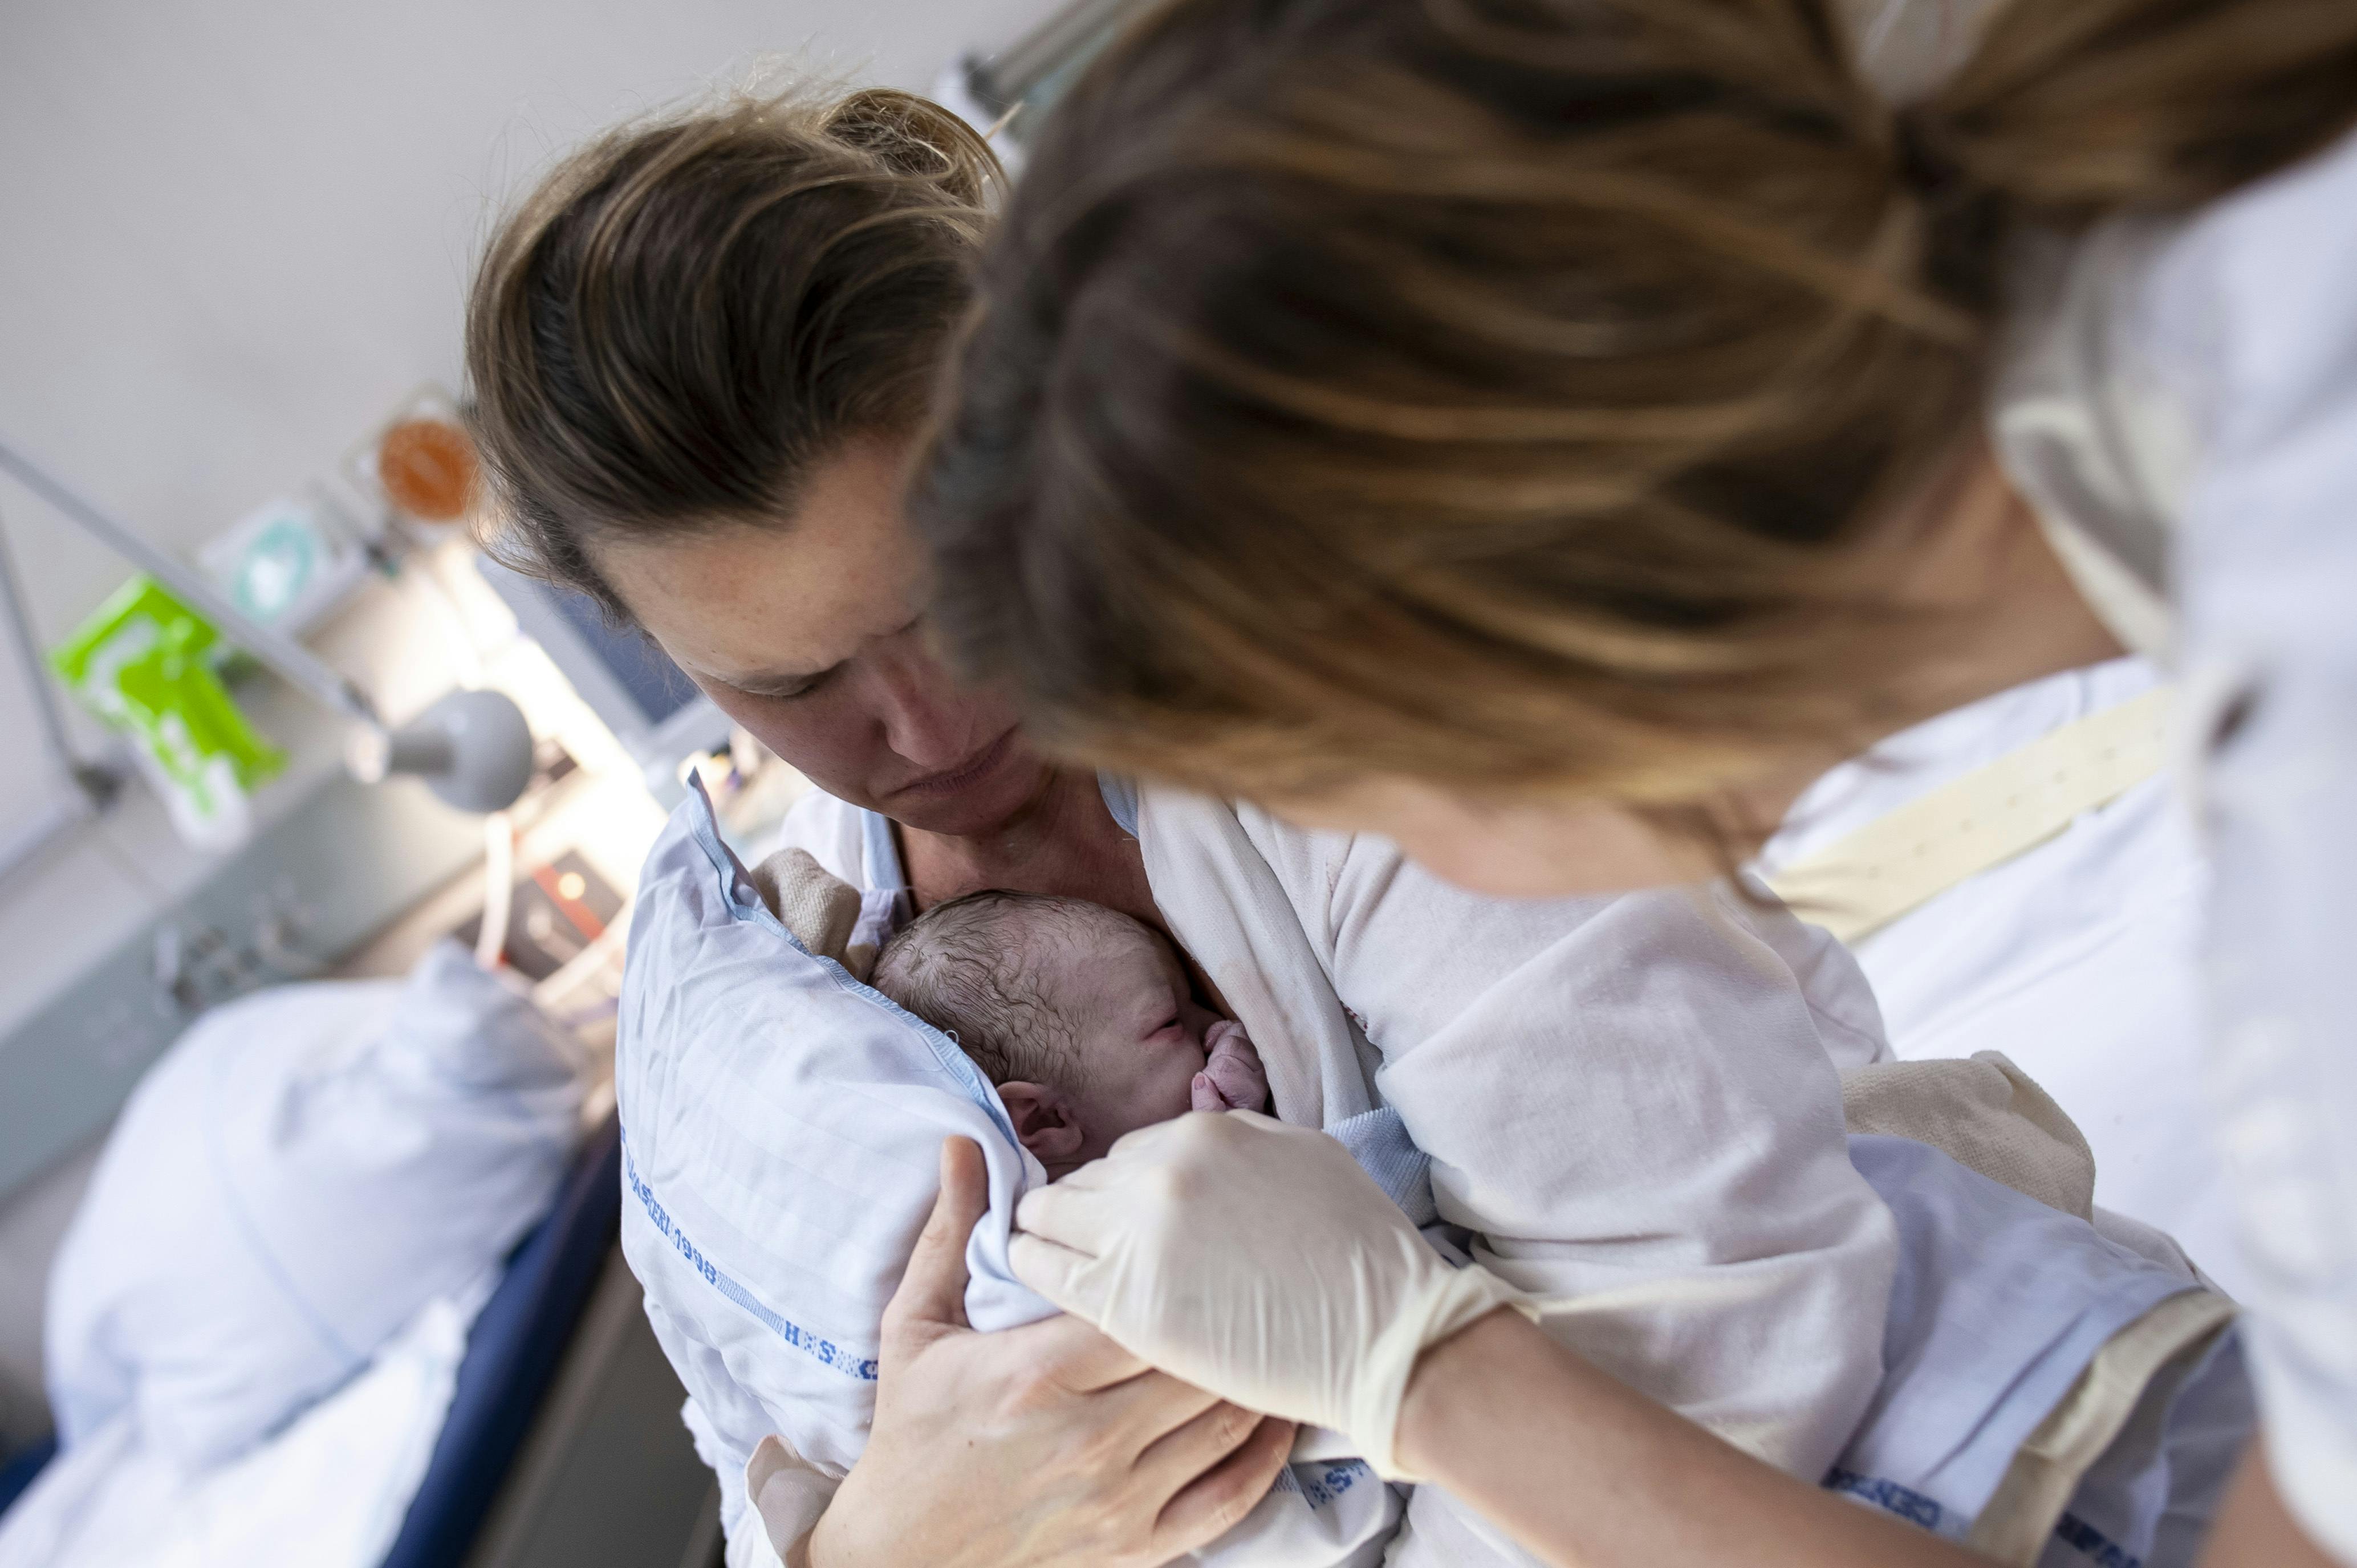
(1257, 1261)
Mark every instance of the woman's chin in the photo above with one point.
(978, 806)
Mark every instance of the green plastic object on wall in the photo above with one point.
(143, 662)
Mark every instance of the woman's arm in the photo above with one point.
(1034, 1447)
(1586, 1473)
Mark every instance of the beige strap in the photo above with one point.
(2143, 1365)
(1896, 863)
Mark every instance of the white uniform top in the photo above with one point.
(2182, 408)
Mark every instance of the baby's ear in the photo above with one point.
(1044, 1121)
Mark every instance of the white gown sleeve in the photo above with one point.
(1630, 1101)
(2259, 294)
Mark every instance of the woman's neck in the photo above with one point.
(1999, 611)
(1064, 843)
(2008, 611)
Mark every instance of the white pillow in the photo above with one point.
(291, 1182)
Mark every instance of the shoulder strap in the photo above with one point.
(1861, 883)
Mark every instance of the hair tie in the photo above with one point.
(1926, 167)
(1964, 221)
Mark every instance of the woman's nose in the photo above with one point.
(924, 716)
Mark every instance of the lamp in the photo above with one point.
(472, 749)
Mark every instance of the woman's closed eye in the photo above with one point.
(788, 690)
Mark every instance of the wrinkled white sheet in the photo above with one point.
(329, 1491)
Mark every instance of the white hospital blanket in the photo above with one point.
(781, 1126)
(329, 1491)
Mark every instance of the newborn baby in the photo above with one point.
(1081, 1015)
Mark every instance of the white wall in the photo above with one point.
(232, 234)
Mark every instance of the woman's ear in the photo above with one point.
(1043, 1121)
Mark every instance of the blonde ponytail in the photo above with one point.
(2072, 109)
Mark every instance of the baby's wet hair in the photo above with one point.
(970, 968)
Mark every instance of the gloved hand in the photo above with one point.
(1257, 1261)
(1233, 1079)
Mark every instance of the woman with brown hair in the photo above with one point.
(1551, 433)
(699, 353)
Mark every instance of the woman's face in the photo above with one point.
(1512, 849)
(807, 634)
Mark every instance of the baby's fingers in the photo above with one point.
(1204, 1094)
(1239, 1079)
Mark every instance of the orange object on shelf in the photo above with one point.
(427, 466)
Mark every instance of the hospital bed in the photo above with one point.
(563, 1431)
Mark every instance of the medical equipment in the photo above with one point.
(1011, 88)
(657, 714)
(288, 564)
(143, 662)
(462, 752)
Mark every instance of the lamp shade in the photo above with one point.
(473, 749)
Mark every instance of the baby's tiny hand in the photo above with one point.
(1233, 1079)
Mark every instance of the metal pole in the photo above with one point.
(280, 652)
(1005, 78)
(37, 672)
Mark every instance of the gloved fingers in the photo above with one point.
(1083, 1216)
(1217, 1501)
(1058, 1273)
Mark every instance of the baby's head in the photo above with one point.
(1081, 1015)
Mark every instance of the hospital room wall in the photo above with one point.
(231, 235)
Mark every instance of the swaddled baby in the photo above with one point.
(1081, 1016)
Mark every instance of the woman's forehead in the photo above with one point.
(749, 604)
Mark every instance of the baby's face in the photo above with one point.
(1140, 1031)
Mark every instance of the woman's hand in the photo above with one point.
(1255, 1259)
(1038, 1446)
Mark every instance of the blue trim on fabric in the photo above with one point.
(744, 901)
(1888, 1496)
(825, 1352)
(1121, 800)
(1318, 1485)
(2094, 1544)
